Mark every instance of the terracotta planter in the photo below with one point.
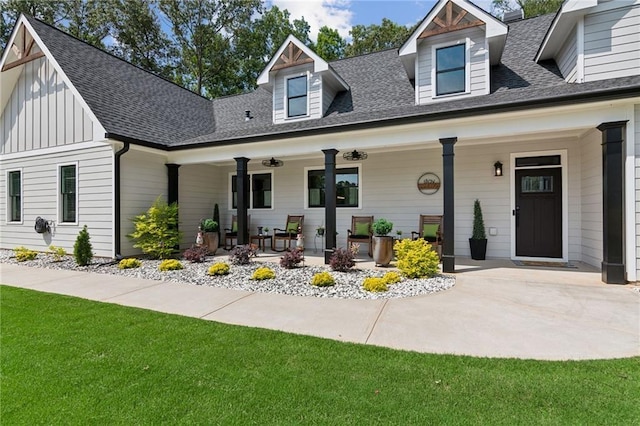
(211, 241)
(382, 250)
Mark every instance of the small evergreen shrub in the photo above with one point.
(478, 222)
(416, 259)
(374, 284)
(382, 227)
(82, 249)
(208, 225)
(58, 253)
(323, 279)
(170, 265)
(196, 254)
(156, 231)
(263, 273)
(241, 255)
(342, 260)
(130, 263)
(291, 259)
(23, 254)
(219, 268)
(391, 278)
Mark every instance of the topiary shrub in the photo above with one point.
(209, 225)
(382, 227)
(416, 259)
(323, 279)
(82, 249)
(241, 255)
(374, 284)
(219, 268)
(58, 253)
(342, 260)
(478, 222)
(156, 231)
(291, 259)
(170, 265)
(392, 278)
(196, 254)
(263, 273)
(129, 263)
(23, 254)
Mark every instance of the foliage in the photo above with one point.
(130, 263)
(531, 8)
(291, 258)
(170, 265)
(219, 268)
(416, 258)
(82, 249)
(382, 227)
(375, 284)
(209, 225)
(263, 273)
(342, 260)
(323, 279)
(52, 12)
(391, 278)
(196, 254)
(23, 254)
(330, 45)
(241, 255)
(58, 253)
(156, 231)
(373, 38)
(478, 222)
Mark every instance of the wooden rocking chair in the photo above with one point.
(361, 232)
(430, 228)
(289, 233)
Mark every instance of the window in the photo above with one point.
(14, 180)
(297, 96)
(68, 193)
(347, 187)
(260, 191)
(450, 69)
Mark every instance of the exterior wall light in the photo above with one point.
(498, 168)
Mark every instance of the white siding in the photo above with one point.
(591, 200)
(568, 58)
(40, 198)
(479, 57)
(637, 184)
(612, 43)
(314, 87)
(42, 112)
(328, 94)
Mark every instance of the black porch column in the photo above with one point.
(329, 202)
(613, 268)
(242, 186)
(172, 189)
(448, 258)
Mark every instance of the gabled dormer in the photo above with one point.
(450, 53)
(302, 83)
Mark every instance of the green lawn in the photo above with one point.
(70, 361)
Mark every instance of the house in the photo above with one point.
(539, 119)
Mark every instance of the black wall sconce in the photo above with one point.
(497, 168)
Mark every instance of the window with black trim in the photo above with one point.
(15, 195)
(68, 189)
(297, 96)
(450, 70)
(347, 187)
(261, 191)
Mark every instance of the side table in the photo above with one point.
(261, 240)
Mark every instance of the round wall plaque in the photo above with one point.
(428, 183)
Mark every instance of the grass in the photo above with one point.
(70, 361)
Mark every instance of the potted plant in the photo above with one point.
(210, 228)
(266, 230)
(382, 242)
(320, 230)
(478, 240)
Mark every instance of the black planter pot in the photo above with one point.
(478, 249)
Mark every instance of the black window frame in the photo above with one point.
(315, 177)
(251, 201)
(455, 69)
(15, 200)
(304, 95)
(68, 195)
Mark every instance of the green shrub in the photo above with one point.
(374, 284)
(382, 227)
(416, 259)
(58, 253)
(392, 278)
(82, 249)
(130, 263)
(323, 279)
(263, 273)
(219, 268)
(23, 254)
(170, 265)
(208, 225)
(156, 231)
(478, 222)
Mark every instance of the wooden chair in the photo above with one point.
(289, 233)
(361, 232)
(430, 228)
(231, 234)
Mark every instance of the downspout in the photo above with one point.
(117, 226)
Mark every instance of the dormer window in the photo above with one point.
(297, 96)
(450, 70)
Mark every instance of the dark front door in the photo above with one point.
(539, 212)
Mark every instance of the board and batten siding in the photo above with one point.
(40, 193)
(314, 90)
(567, 59)
(42, 112)
(591, 199)
(479, 80)
(612, 44)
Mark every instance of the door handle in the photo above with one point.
(516, 213)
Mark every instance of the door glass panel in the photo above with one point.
(530, 184)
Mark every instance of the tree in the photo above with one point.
(531, 8)
(88, 20)
(49, 11)
(330, 45)
(373, 38)
(82, 249)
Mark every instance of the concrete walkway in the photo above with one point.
(494, 310)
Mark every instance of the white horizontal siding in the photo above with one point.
(591, 200)
(328, 94)
(567, 59)
(314, 88)
(637, 184)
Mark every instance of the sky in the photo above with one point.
(343, 14)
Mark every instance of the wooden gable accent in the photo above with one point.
(22, 50)
(291, 57)
(446, 22)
